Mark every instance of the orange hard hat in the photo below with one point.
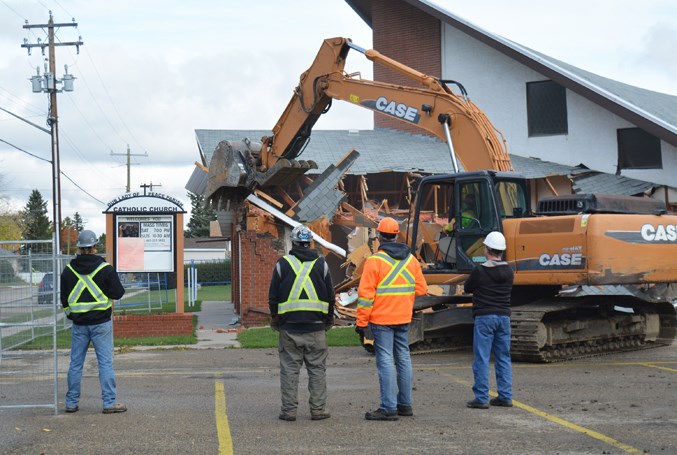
(388, 226)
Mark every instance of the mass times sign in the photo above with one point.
(145, 232)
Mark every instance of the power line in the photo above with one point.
(50, 161)
(26, 152)
(110, 98)
(82, 189)
(12, 9)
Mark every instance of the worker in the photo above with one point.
(491, 284)
(88, 285)
(388, 285)
(468, 216)
(301, 302)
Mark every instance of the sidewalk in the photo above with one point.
(216, 326)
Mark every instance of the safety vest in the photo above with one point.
(101, 301)
(387, 286)
(302, 282)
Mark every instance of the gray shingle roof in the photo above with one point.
(386, 150)
(381, 150)
(610, 184)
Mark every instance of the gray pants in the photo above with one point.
(295, 349)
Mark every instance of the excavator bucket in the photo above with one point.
(234, 165)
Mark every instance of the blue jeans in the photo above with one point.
(491, 334)
(101, 336)
(393, 362)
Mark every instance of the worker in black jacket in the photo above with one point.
(491, 285)
(88, 285)
(301, 301)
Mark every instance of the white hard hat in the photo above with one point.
(301, 234)
(87, 239)
(495, 241)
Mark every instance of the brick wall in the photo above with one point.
(152, 325)
(257, 255)
(410, 36)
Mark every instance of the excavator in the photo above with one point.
(594, 273)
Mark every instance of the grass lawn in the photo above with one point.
(164, 301)
(265, 337)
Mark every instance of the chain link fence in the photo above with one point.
(33, 325)
(30, 321)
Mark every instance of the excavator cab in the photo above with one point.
(453, 213)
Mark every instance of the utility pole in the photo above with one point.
(129, 164)
(47, 83)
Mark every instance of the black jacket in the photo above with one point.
(107, 279)
(281, 285)
(395, 250)
(491, 285)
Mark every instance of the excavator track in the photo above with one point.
(553, 330)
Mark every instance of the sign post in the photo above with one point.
(144, 233)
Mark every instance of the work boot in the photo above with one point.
(477, 404)
(405, 411)
(117, 407)
(287, 417)
(319, 415)
(499, 402)
(381, 414)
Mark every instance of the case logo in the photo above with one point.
(395, 109)
(660, 233)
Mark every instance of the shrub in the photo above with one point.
(210, 272)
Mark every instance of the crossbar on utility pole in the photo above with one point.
(53, 119)
(129, 164)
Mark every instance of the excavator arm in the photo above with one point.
(431, 106)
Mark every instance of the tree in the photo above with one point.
(101, 246)
(69, 236)
(70, 229)
(34, 222)
(78, 222)
(200, 217)
(10, 225)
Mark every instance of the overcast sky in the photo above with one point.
(151, 72)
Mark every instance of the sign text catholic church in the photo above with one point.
(144, 233)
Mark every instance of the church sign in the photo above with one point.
(146, 228)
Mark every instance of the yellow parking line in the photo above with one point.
(222, 428)
(673, 370)
(557, 420)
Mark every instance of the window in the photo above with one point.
(638, 149)
(546, 109)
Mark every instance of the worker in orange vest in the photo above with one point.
(389, 283)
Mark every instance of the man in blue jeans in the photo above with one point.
(88, 284)
(390, 281)
(491, 285)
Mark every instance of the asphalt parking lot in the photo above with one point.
(221, 401)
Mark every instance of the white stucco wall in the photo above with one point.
(497, 84)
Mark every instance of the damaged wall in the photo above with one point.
(254, 258)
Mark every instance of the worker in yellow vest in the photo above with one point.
(88, 286)
(301, 302)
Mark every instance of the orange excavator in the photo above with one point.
(593, 273)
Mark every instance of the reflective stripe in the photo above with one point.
(303, 305)
(399, 290)
(302, 282)
(364, 303)
(101, 301)
(386, 286)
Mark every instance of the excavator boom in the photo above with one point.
(431, 106)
